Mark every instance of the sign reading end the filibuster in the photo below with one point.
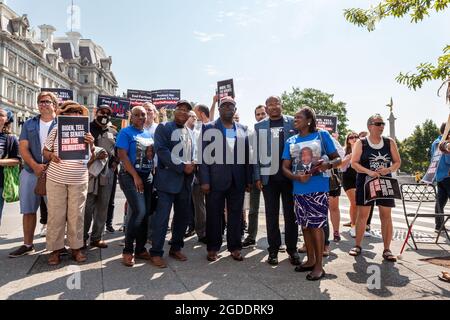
(62, 94)
(381, 188)
(225, 89)
(119, 106)
(71, 133)
(328, 123)
(139, 97)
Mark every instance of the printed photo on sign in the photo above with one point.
(381, 188)
(71, 134)
(306, 157)
(139, 97)
(119, 106)
(225, 89)
(144, 154)
(61, 94)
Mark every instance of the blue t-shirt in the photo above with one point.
(304, 153)
(136, 143)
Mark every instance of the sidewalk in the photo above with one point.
(104, 277)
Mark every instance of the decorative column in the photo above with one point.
(392, 120)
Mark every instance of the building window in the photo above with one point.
(21, 95)
(43, 82)
(85, 101)
(30, 72)
(11, 62)
(22, 68)
(30, 98)
(10, 92)
(85, 78)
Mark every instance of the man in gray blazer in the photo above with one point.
(273, 133)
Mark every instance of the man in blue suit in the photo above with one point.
(225, 175)
(273, 133)
(173, 180)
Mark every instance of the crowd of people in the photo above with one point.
(202, 168)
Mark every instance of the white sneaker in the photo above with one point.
(367, 234)
(43, 233)
(353, 233)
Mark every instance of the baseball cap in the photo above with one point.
(184, 103)
(104, 106)
(227, 100)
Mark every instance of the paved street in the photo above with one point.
(104, 277)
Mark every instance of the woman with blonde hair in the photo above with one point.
(67, 186)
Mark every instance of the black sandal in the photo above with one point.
(309, 277)
(304, 269)
(356, 251)
(388, 256)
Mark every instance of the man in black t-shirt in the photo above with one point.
(269, 178)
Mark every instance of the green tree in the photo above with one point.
(323, 103)
(417, 10)
(415, 150)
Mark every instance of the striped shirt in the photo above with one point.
(65, 172)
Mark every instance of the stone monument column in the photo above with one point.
(392, 120)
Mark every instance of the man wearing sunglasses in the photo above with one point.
(224, 176)
(32, 140)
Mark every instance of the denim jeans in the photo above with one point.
(160, 220)
(139, 203)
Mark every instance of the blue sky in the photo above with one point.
(267, 46)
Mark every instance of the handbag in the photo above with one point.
(11, 184)
(41, 184)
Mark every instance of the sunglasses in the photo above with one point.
(378, 124)
(353, 138)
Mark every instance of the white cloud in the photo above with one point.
(205, 37)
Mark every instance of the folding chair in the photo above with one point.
(419, 194)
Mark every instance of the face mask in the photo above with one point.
(103, 120)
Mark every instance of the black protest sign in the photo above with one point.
(71, 134)
(139, 97)
(328, 123)
(61, 94)
(167, 99)
(381, 188)
(430, 176)
(225, 89)
(119, 106)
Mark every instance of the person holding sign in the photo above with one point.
(443, 180)
(135, 150)
(373, 157)
(67, 186)
(312, 187)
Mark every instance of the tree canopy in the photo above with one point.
(417, 10)
(323, 103)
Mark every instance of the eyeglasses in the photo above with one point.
(46, 102)
(378, 124)
(353, 138)
(228, 106)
